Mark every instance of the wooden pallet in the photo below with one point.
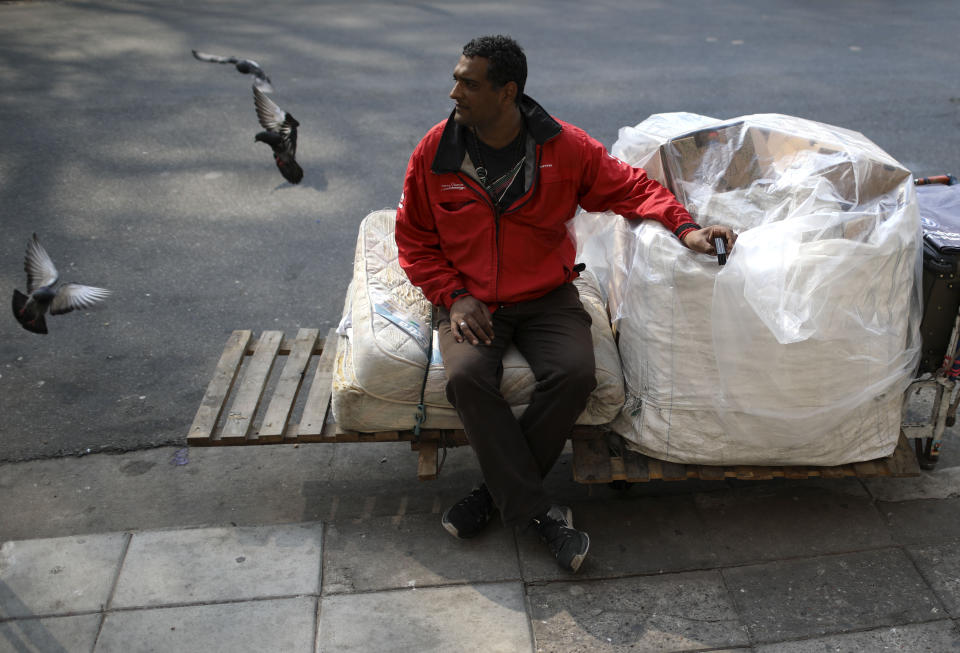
(298, 411)
(607, 460)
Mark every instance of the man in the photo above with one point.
(482, 229)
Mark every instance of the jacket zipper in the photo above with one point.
(466, 179)
(496, 211)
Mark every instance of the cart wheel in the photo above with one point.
(924, 459)
(621, 486)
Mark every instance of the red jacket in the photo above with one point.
(450, 236)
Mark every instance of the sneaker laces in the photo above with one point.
(556, 534)
(478, 504)
(564, 541)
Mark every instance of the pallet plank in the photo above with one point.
(591, 461)
(329, 433)
(764, 473)
(211, 407)
(427, 461)
(656, 468)
(673, 471)
(711, 473)
(903, 461)
(635, 466)
(617, 470)
(245, 404)
(318, 401)
(285, 394)
(870, 469)
(797, 472)
(838, 471)
(457, 438)
(743, 472)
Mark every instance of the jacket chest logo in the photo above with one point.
(452, 186)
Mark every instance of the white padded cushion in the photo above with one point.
(379, 367)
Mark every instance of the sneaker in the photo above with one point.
(567, 544)
(470, 515)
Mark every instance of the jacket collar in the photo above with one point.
(453, 141)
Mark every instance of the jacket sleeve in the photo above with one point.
(609, 184)
(418, 242)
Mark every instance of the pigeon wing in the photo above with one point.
(288, 135)
(75, 295)
(39, 266)
(213, 58)
(271, 116)
(262, 83)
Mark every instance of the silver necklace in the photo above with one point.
(502, 184)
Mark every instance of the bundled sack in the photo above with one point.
(385, 338)
(799, 349)
(940, 218)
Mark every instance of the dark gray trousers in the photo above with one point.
(553, 334)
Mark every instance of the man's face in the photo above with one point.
(477, 102)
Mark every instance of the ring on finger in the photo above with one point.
(463, 324)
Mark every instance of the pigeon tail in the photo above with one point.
(290, 170)
(19, 301)
(36, 325)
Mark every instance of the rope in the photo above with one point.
(421, 415)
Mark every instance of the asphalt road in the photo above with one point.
(136, 164)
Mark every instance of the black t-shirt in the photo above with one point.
(499, 162)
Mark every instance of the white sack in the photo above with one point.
(799, 349)
(381, 352)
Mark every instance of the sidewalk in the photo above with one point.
(283, 549)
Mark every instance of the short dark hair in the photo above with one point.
(507, 62)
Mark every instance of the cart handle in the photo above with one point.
(948, 180)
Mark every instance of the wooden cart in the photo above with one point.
(252, 400)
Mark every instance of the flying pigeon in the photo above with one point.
(245, 66)
(42, 276)
(280, 134)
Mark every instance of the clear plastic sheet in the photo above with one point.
(940, 216)
(799, 349)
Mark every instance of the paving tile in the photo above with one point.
(50, 635)
(675, 612)
(925, 521)
(388, 486)
(815, 596)
(60, 575)
(286, 625)
(941, 483)
(485, 618)
(933, 637)
(220, 564)
(940, 566)
(412, 551)
(631, 536)
(769, 522)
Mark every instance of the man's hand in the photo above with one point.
(701, 240)
(470, 319)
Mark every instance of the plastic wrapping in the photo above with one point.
(940, 216)
(799, 349)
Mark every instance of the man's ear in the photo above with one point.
(510, 92)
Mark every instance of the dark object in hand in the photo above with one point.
(721, 246)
